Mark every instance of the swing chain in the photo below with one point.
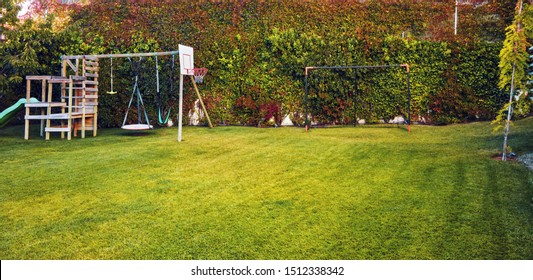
(111, 91)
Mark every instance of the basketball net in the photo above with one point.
(199, 74)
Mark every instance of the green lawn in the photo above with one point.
(372, 192)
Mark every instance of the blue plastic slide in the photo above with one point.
(11, 111)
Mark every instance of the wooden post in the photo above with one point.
(83, 100)
(43, 99)
(27, 121)
(201, 101)
(63, 95)
(95, 108)
(49, 109)
(69, 109)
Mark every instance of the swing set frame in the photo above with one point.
(186, 55)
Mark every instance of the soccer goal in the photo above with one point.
(341, 95)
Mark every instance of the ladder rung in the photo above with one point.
(80, 97)
(55, 79)
(58, 117)
(78, 78)
(45, 104)
(57, 129)
(37, 105)
(79, 114)
(35, 78)
(36, 117)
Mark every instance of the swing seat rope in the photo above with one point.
(163, 116)
(136, 93)
(111, 91)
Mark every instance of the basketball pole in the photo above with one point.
(180, 113)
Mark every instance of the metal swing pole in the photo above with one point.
(121, 55)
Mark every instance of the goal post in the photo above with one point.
(310, 69)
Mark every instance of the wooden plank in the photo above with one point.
(81, 97)
(63, 116)
(78, 114)
(57, 129)
(58, 79)
(45, 104)
(73, 97)
(36, 117)
(47, 117)
(72, 66)
(37, 105)
(78, 78)
(35, 78)
(57, 104)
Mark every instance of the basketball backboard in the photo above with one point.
(186, 60)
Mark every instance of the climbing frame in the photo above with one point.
(52, 114)
(85, 97)
(68, 102)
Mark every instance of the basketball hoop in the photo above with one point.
(199, 74)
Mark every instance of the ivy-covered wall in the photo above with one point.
(256, 52)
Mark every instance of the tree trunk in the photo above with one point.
(508, 121)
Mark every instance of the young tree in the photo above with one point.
(8, 21)
(513, 62)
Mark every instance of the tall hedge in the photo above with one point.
(256, 52)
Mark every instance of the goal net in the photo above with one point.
(343, 95)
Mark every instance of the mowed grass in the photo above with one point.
(371, 192)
